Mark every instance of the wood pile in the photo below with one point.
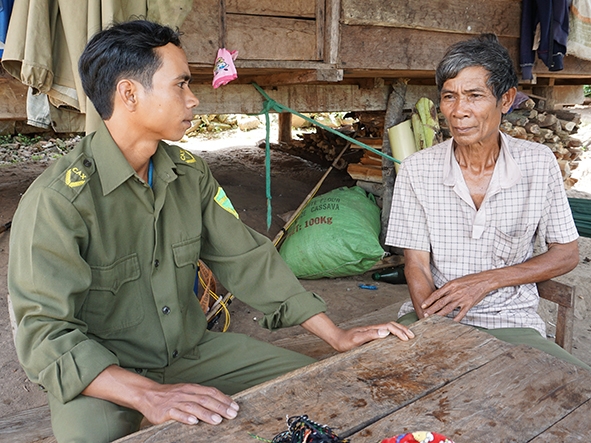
(212, 123)
(369, 168)
(554, 129)
(323, 147)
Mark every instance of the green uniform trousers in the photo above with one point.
(229, 362)
(517, 336)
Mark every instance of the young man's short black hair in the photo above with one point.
(124, 50)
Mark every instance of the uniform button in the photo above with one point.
(156, 263)
(138, 370)
(166, 310)
(175, 353)
(87, 163)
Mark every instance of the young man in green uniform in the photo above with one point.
(103, 256)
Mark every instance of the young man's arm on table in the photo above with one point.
(465, 292)
(188, 403)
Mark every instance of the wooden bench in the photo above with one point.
(34, 425)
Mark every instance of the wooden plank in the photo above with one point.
(502, 17)
(292, 8)
(33, 425)
(368, 173)
(244, 99)
(202, 31)
(357, 387)
(515, 397)
(332, 31)
(320, 28)
(573, 68)
(557, 292)
(271, 38)
(399, 48)
(574, 427)
(300, 77)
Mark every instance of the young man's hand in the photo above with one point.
(184, 402)
(346, 339)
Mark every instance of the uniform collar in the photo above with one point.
(113, 168)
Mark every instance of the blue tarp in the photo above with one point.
(5, 10)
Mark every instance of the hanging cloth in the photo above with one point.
(46, 38)
(549, 19)
(5, 10)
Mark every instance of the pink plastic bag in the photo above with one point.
(224, 70)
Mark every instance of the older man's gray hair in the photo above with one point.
(485, 51)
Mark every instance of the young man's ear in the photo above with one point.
(126, 94)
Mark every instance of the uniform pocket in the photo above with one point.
(186, 258)
(109, 307)
(187, 252)
(512, 249)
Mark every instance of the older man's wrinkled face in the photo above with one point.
(470, 108)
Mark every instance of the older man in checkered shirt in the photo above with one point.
(469, 211)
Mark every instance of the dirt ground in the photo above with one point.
(240, 170)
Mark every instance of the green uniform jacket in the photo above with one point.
(102, 267)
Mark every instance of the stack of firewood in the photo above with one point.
(554, 129)
(321, 147)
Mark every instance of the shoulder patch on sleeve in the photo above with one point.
(75, 177)
(222, 199)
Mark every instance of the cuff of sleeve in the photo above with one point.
(294, 311)
(74, 371)
(526, 72)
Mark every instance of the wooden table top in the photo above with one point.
(450, 379)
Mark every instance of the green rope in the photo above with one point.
(269, 105)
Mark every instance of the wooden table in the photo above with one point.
(451, 379)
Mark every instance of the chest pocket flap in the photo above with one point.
(187, 252)
(112, 277)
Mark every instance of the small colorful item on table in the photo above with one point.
(300, 429)
(418, 437)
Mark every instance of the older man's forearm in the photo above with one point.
(417, 270)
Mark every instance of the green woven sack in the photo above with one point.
(336, 235)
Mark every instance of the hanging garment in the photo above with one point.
(46, 38)
(5, 10)
(551, 17)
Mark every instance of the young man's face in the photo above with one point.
(166, 109)
(471, 109)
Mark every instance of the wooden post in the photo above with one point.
(393, 117)
(285, 127)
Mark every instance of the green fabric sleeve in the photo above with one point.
(250, 267)
(52, 345)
